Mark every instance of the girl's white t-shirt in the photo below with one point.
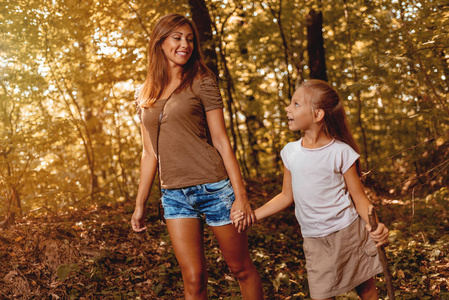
(323, 204)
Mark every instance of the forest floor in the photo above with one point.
(93, 254)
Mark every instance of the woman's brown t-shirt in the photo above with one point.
(187, 156)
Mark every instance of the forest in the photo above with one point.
(70, 140)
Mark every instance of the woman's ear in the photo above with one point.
(319, 115)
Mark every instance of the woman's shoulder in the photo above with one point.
(204, 79)
(136, 101)
(137, 91)
(205, 84)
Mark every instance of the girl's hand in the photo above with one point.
(249, 217)
(236, 217)
(380, 235)
(138, 220)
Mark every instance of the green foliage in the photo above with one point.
(66, 123)
(68, 131)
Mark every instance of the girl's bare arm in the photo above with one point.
(362, 204)
(280, 202)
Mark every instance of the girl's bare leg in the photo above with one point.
(234, 247)
(367, 290)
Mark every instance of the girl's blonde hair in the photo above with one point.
(158, 75)
(322, 96)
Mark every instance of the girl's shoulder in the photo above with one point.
(340, 145)
(291, 146)
(289, 151)
(293, 143)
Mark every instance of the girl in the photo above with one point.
(321, 176)
(198, 170)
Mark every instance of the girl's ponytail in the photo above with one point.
(323, 96)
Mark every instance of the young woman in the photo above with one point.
(321, 176)
(198, 170)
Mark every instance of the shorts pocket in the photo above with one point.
(371, 249)
(211, 188)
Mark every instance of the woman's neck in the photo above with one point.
(174, 81)
(175, 72)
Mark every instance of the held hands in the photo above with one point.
(380, 235)
(242, 216)
(239, 219)
(138, 220)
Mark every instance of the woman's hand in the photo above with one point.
(138, 220)
(380, 235)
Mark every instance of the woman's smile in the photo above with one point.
(178, 45)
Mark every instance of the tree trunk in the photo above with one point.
(201, 18)
(13, 205)
(315, 45)
(252, 124)
(233, 122)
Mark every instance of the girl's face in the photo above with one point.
(299, 112)
(178, 46)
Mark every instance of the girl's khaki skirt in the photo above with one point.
(339, 262)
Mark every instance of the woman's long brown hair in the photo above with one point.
(323, 96)
(158, 76)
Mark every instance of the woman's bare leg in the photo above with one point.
(234, 247)
(187, 237)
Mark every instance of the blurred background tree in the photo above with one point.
(69, 135)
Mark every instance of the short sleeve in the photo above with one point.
(348, 157)
(137, 103)
(285, 154)
(209, 94)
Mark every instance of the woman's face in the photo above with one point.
(178, 46)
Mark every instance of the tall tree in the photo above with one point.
(315, 45)
(201, 18)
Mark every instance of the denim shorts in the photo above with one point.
(209, 201)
